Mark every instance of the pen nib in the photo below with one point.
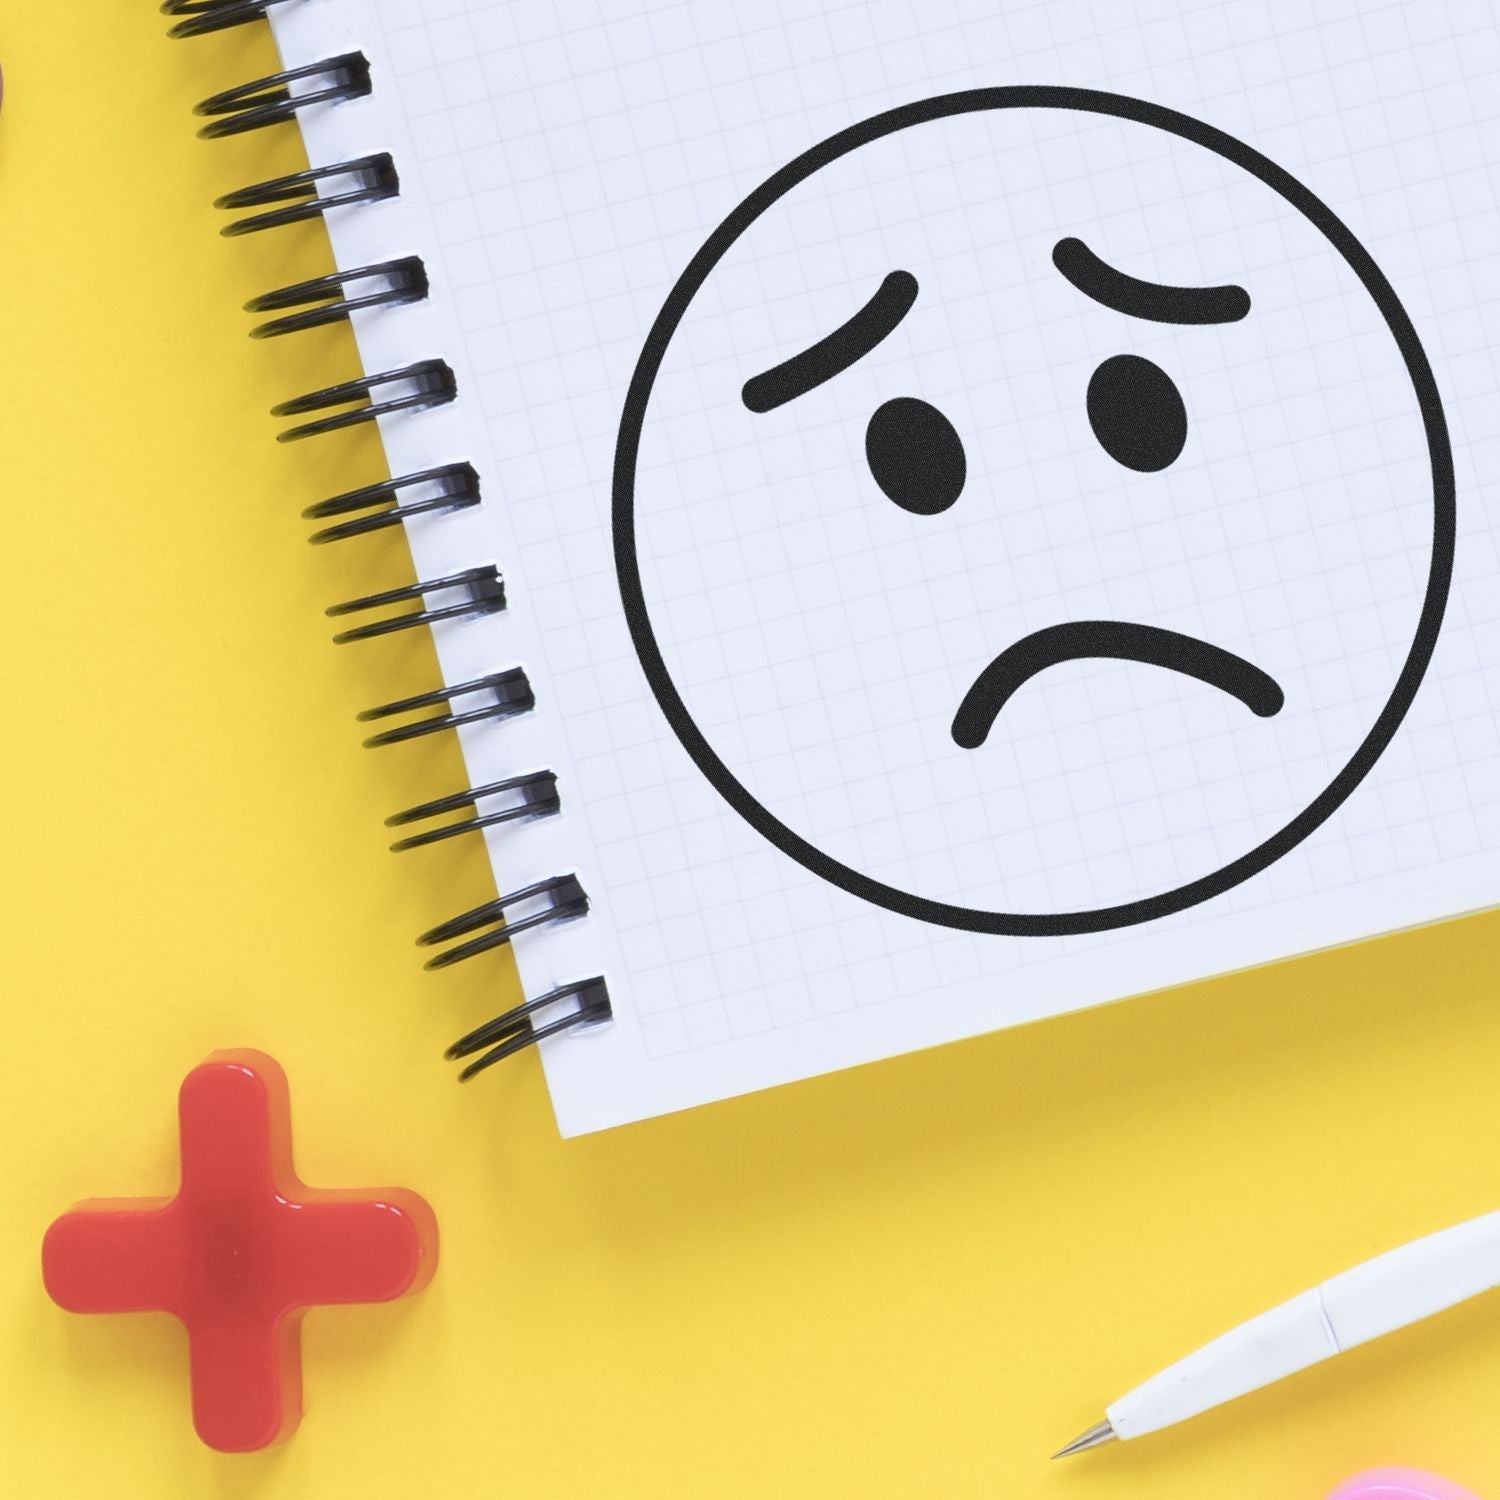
(1095, 1437)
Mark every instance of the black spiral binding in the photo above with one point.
(203, 16)
(444, 488)
(481, 591)
(514, 1030)
(510, 690)
(327, 299)
(449, 487)
(270, 101)
(311, 194)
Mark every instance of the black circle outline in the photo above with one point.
(1429, 402)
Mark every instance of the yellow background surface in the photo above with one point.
(915, 1279)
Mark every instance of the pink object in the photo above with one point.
(1400, 1484)
(241, 1252)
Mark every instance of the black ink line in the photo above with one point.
(830, 356)
(1121, 641)
(1444, 494)
(1147, 299)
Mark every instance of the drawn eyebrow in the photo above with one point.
(830, 356)
(1147, 299)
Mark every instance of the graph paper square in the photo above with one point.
(562, 166)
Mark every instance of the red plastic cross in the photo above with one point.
(241, 1252)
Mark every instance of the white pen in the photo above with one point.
(1384, 1294)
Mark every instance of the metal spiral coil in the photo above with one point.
(452, 486)
(525, 797)
(481, 591)
(296, 198)
(515, 1030)
(559, 898)
(373, 179)
(431, 384)
(271, 100)
(202, 16)
(509, 693)
(328, 299)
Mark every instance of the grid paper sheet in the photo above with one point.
(1015, 645)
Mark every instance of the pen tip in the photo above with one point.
(1096, 1437)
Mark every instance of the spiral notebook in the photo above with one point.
(933, 515)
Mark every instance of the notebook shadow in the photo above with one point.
(972, 1109)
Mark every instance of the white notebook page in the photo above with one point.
(869, 775)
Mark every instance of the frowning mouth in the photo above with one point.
(1119, 640)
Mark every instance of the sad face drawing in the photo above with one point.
(1033, 511)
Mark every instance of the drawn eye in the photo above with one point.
(1137, 413)
(916, 455)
